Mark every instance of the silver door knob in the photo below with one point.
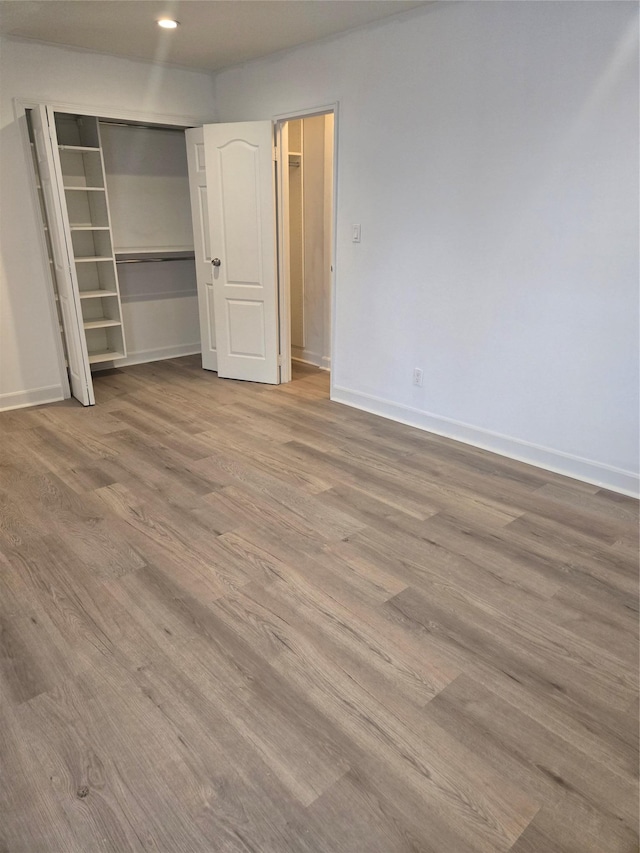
(216, 262)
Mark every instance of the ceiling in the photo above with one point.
(213, 34)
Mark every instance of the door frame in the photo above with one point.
(282, 220)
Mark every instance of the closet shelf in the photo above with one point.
(94, 294)
(141, 256)
(90, 259)
(153, 250)
(77, 148)
(101, 323)
(104, 355)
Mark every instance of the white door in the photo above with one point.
(242, 227)
(202, 245)
(42, 119)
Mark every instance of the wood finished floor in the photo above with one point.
(243, 618)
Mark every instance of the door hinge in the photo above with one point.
(279, 361)
(275, 153)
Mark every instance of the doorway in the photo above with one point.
(307, 223)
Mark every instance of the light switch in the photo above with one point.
(355, 233)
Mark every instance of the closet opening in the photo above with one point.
(306, 191)
(115, 205)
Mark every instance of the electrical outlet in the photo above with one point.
(417, 376)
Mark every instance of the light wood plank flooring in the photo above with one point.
(242, 618)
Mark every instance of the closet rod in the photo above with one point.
(141, 126)
(151, 260)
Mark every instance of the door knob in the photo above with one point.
(216, 262)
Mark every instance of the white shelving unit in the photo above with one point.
(87, 208)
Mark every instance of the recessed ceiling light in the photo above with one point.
(167, 23)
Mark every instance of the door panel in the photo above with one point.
(42, 118)
(239, 167)
(239, 208)
(202, 245)
(245, 325)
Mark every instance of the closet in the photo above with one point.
(118, 223)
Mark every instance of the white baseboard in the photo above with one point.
(308, 363)
(605, 476)
(312, 358)
(32, 397)
(145, 355)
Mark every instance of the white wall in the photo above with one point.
(490, 152)
(28, 366)
(150, 209)
(148, 186)
(159, 309)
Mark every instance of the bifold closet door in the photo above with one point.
(242, 240)
(45, 139)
